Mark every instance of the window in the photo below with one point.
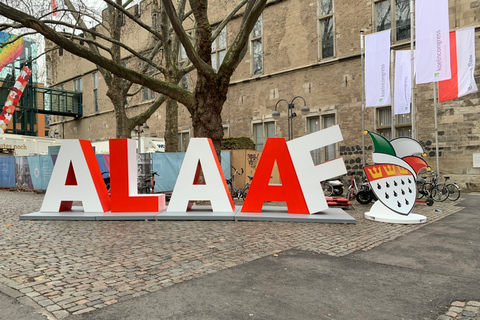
(60, 51)
(226, 131)
(262, 131)
(148, 94)
(181, 59)
(313, 125)
(137, 11)
(156, 20)
(183, 139)
(330, 150)
(77, 85)
(397, 19)
(219, 49)
(95, 92)
(325, 21)
(257, 48)
(403, 123)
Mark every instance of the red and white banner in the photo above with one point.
(462, 64)
(54, 8)
(432, 57)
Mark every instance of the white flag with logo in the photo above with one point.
(403, 82)
(377, 69)
(462, 63)
(432, 60)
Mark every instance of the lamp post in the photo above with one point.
(276, 115)
(139, 130)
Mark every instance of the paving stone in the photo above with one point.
(458, 304)
(62, 314)
(456, 309)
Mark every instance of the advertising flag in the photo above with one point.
(403, 82)
(11, 47)
(462, 63)
(432, 59)
(377, 69)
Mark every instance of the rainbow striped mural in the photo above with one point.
(11, 51)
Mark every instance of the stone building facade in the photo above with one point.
(309, 49)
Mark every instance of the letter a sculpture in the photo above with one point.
(393, 179)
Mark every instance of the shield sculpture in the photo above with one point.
(393, 178)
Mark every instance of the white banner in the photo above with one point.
(377, 69)
(432, 60)
(403, 81)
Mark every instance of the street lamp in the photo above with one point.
(139, 130)
(276, 115)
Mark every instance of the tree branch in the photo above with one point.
(227, 19)
(183, 96)
(238, 48)
(183, 37)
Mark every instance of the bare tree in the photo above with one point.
(206, 100)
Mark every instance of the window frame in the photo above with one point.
(393, 19)
(265, 136)
(320, 19)
(333, 146)
(182, 57)
(387, 127)
(216, 51)
(180, 140)
(95, 91)
(253, 40)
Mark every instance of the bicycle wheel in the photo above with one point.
(453, 191)
(421, 191)
(439, 193)
(327, 189)
(364, 196)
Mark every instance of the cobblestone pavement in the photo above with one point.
(461, 310)
(73, 267)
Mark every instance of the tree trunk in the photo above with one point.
(122, 128)
(171, 125)
(207, 113)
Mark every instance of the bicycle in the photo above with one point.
(439, 191)
(234, 192)
(424, 188)
(146, 186)
(106, 180)
(453, 190)
(242, 193)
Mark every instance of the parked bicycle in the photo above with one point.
(453, 190)
(106, 180)
(439, 192)
(147, 185)
(242, 192)
(231, 182)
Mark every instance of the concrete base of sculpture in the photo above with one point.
(379, 212)
(269, 213)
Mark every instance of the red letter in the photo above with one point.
(289, 191)
(123, 181)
